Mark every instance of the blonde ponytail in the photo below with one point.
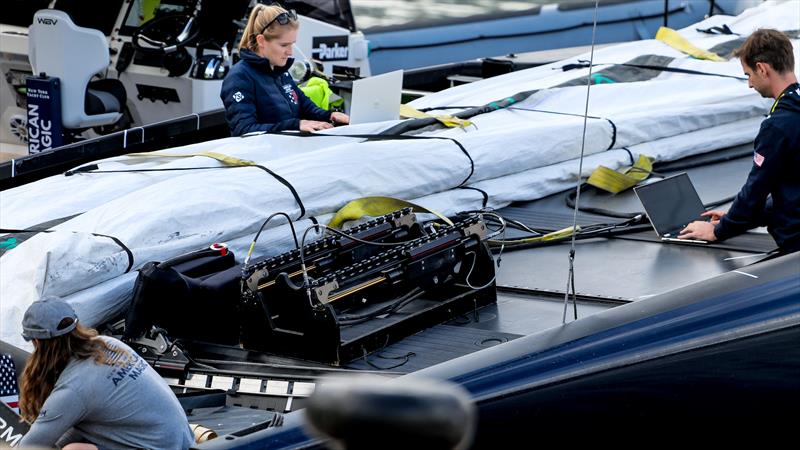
(260, 16)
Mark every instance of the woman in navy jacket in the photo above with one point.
(258, 93)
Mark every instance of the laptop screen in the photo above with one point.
(376, 98)
(671, 203)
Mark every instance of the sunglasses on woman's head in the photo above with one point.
(282, 19)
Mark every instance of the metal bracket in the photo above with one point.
(323, 292)
(478, 229)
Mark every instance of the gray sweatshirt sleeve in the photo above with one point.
(62, 409)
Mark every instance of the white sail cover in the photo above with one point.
(519, 153)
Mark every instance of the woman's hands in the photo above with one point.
(337, 117)
(314, 125)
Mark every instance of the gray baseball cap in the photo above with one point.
(44, 319)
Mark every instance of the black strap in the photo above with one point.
(113, 238)
(724, 29)
(484, 193)
(123, 246)
(286, 183)
(392, 137)
(630, 155)
(437, 108)
(92, 169)
(611, 122)
(582, 65)
(613, 134)
(82, 169)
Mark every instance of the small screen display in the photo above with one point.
(671, 203)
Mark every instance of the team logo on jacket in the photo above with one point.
(238, 96)
(758, 158)
(287, 88)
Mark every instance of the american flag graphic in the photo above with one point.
(9, 393)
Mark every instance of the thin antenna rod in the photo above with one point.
(571, 277)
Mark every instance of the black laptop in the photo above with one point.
(671, 204)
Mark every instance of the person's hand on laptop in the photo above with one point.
(339, 118)
(714, 214)
(700, 230)
(314, 125)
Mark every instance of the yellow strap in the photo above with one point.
(446, 119)
(376, 206)
(680, 43)
(225, 159)
(616, 181)
(564, 232)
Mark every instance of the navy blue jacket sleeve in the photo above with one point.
(749, 208)
(239, 97)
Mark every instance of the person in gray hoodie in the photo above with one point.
(83, 391)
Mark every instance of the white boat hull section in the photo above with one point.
(518, 155)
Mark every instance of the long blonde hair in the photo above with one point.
(48, 361)
(260, 16)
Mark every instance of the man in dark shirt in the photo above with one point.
(771, 195)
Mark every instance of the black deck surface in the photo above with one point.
(636, 265)
(616, 268)
(608, 271)
(513, 316)
(228, 419)
(432, 346)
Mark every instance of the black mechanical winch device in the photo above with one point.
(349, 295)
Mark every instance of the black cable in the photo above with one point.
(521, 226)
(354, 319)
(407, 357)
(581, 65)
(483, 193)
(255, 239)
(288, 219)
(581, 236)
